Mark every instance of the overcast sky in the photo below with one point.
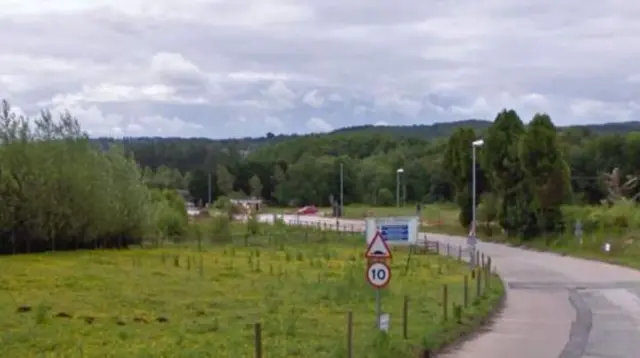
(229, 68)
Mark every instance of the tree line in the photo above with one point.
(306, 169)
(60, 191)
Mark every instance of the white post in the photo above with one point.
(341, 188)
(398, 172)
(472, 239)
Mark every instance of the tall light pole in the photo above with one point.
(209, 189)
(472, 234)
(341, 189)
(398, 172)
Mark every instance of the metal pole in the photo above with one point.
(341, 189)
(209, 188)
(378, 308)
(397, 188)
(473, 204)
(404, 194)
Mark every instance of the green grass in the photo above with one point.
(179, 302)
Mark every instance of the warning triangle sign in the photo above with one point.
(378, 248)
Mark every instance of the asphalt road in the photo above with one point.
(557, 307)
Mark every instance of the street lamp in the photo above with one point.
(472, 234)
(398, 172)
(341, 189)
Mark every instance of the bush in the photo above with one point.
(487, 212)
(60, 191)
(253, 225)
(219, 229)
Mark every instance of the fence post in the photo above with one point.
(466, 291)
(478, 282)
(350, 334)
(258, 340)
(445, 302)
(405, 318)
(438, 247)
(487, 280)
(459, 252)
(448, 249)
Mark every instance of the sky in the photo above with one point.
(236, 68)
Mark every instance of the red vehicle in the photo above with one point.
(307, 210)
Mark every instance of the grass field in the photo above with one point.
(180, 302)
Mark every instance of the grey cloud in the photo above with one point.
(355, 62)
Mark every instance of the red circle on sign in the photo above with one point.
(384, 282)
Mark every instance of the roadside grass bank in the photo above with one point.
(202, 296)
(619, 226)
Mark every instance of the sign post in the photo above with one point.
(378, 272)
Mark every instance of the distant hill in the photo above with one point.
(422, 131)
(437, 130)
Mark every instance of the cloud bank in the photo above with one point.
(229, 68)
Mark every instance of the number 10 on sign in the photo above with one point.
(378, 274)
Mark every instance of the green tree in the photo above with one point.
(256, 186)
(547, 176)
(501, 163)
(224, 180)
(459, 164)
(280, 185)
(61, 192)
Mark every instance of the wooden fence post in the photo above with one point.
(445, 302)
(466, 291)
(258, 340)
(350, 335)
(405, 318)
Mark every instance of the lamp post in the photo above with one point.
(398, 172)
(341, 189)
(472, 234)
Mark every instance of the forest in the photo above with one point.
(64, 190)
(306, 169)
(535, 168)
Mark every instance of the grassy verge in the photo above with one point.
(179, 301)
(437, 218)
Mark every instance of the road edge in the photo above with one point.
(477, 327)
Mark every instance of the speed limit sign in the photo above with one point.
(378, 274)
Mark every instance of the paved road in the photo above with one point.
(557, 307)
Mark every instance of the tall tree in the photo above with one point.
(256, 186)
(547, 177)
(458, 161)
(224, 180)
(501, 162)
(280, 185)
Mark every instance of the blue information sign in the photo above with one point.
(394, 232)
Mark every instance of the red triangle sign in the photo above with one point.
(378, 248)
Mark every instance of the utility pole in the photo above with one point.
(341, 189)
(209, 189)
(472, 235)
(398, 172)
